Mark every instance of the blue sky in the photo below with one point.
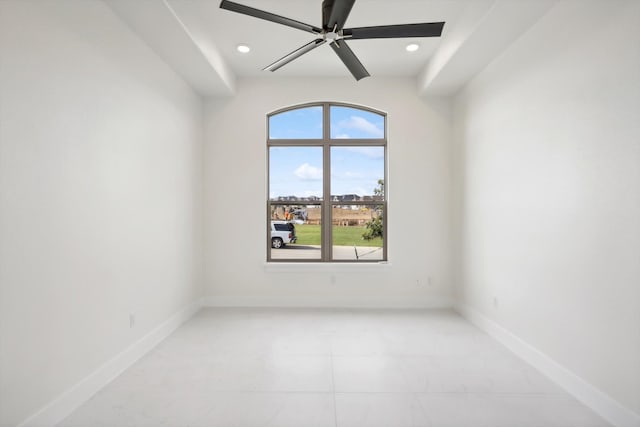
(346, 123)
(298, 170)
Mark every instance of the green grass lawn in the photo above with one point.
(342, 236)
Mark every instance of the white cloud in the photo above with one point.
(363, 125)
(371, 152)
(343, 136)
(307, 172)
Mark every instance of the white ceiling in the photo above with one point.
(270, 41)
(198, 39)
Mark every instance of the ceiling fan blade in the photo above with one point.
(350, 59)
(335, 13)
(257, 13)
(431, 29)
(295, 54)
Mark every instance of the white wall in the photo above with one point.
(100, 196)
(418, 191)
(548, 190)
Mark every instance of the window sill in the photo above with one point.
(295, 267)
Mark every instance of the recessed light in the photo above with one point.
(243, 48)
(412, 47)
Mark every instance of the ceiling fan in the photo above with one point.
(334, 16)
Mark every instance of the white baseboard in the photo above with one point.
(323, 302)
(603, 404)
(58, 409)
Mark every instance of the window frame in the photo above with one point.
(326, 143)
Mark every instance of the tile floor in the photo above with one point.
(333, 368)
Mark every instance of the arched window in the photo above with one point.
(327, 174)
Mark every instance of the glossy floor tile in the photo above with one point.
(334, 368)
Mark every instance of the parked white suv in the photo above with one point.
(282, 233)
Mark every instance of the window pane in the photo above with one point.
(352, 140)
(358, 232)
(295, 174)
(357, 174)
(301, 123)
(352, 123)
(295, 232)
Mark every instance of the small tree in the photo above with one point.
(379, 190)
(375, 228)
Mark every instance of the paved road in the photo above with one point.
(339, 252)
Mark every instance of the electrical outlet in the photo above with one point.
(132, 320)
(495, 302)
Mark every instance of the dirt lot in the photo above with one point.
(343, 216)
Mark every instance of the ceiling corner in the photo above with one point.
(473, 42)
(198, 62)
